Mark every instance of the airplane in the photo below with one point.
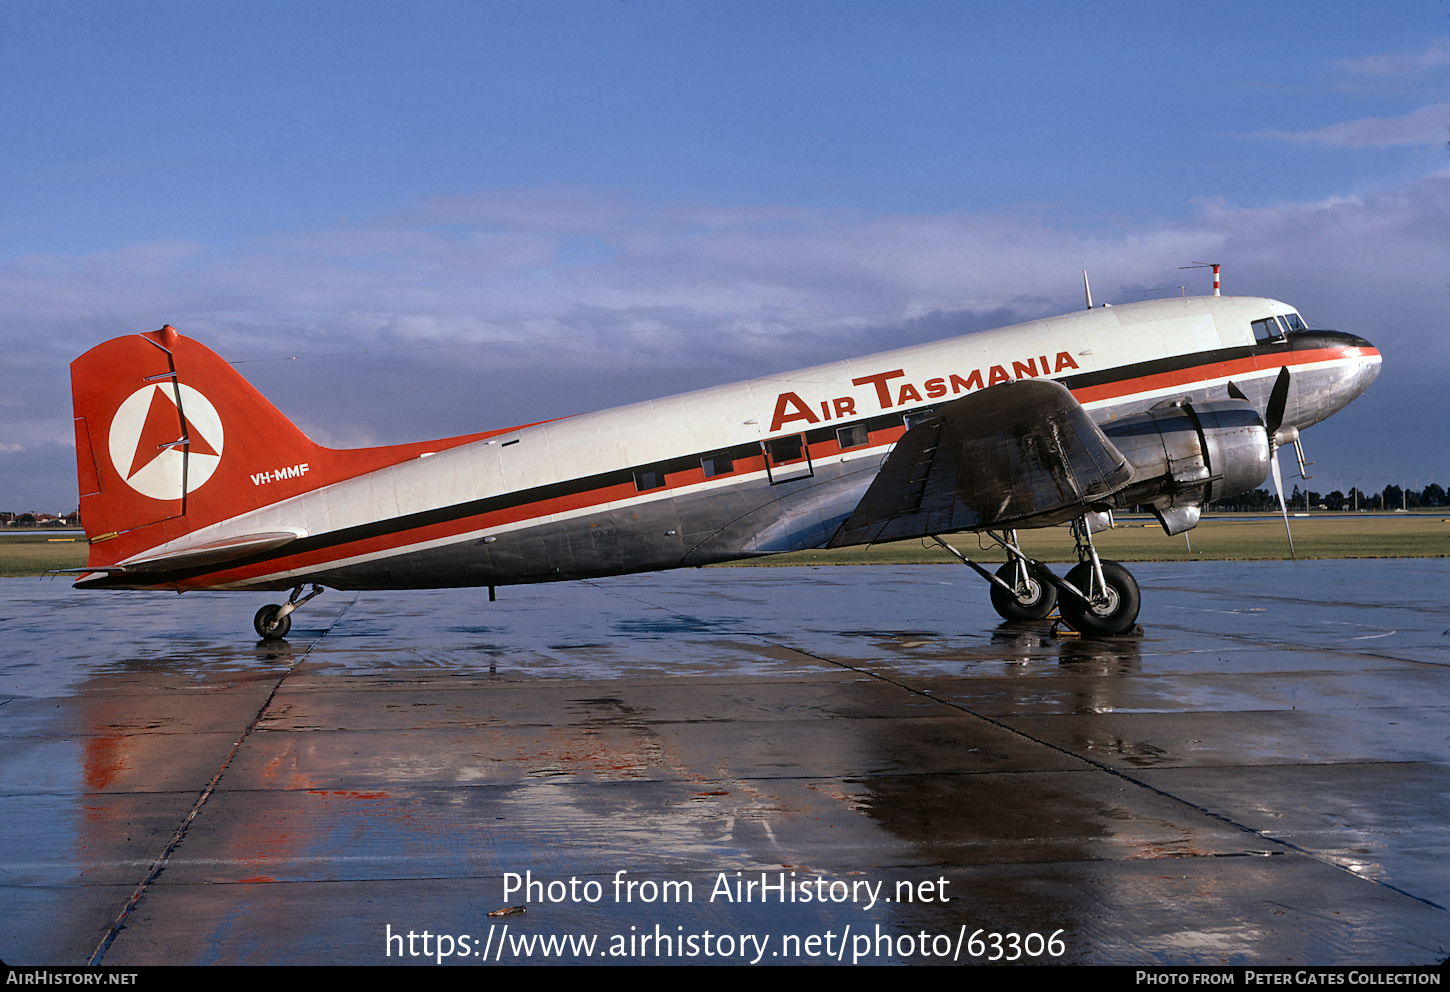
(190, 479)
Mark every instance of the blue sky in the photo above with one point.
(457, 216)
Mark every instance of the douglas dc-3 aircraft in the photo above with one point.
(190, 479)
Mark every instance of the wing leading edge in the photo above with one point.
(1022, 453)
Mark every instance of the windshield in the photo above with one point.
(1275, 328)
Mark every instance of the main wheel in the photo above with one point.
(1033, 601)
(269, 626)
(1119, 609)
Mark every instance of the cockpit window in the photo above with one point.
(1292, 322)
(1267, 330)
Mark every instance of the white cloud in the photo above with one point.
(502, 269)
(496, 309)
(1423, 126)
(1396, 71)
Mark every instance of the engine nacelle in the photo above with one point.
(1186, 454)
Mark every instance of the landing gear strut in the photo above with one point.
(1106, 596)
(1098, 598)
(273, 622)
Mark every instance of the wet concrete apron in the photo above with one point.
(1262, 777)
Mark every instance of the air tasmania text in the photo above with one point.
(789, 406)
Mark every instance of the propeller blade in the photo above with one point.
(1278, 398)
(1273, 420)
(1279, 488)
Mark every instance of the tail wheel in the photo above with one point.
(269, 626)
(1117, 610)
(1033, 600)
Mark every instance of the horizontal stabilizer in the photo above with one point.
(1019, 453)
(206, 553)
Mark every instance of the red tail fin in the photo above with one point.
(166, 436)
(169, 439)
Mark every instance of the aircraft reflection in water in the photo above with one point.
(190, 479)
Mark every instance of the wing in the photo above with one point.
(1020, 454)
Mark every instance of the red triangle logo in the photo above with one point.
(198, 443)
(161, 430)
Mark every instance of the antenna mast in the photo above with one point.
(1215, 266)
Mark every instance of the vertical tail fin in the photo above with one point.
(169, 439)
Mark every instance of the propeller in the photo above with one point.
(1273, 420)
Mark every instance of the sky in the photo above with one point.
(414, 220)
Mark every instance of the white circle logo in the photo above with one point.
(145, 440)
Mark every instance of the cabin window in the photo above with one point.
(720, 463)
(1267, 330)
(649, 478)
(916, 416)
(853, 436)
(787, 459)
(784, 449)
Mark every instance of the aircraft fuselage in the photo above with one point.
(751, 468)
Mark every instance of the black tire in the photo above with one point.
(1117, 615)
(1039, 602)
(269, 628)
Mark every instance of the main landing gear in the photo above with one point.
(273, 622)
(1098, 598)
